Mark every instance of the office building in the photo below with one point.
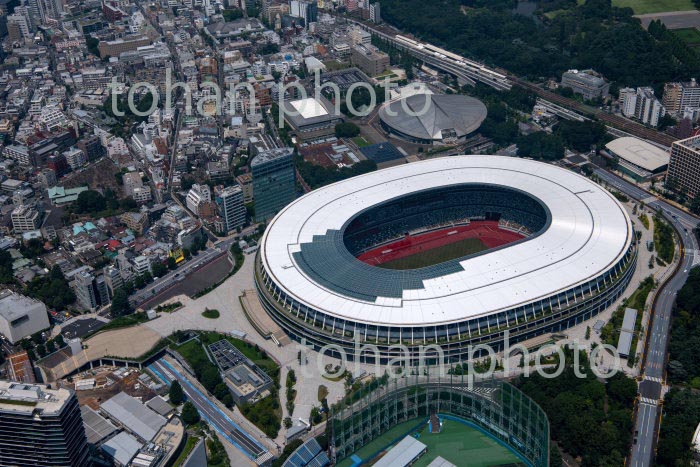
(40, 427)
(369, 59)
(274, 181)
(589, 83)
(246, 183)
(231, 206)
(641, 104)
(375, 14)
(126, 44)
(91, 291)
(307, 10)
(684, 167)
(198, 195)
(680, 96)
(25, 219)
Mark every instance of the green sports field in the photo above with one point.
(642, 7)
(437, 255)
(690, 36)
(458, 443)
(464, 446)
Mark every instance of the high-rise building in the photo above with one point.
(641, 104)
(230, 202)
(375, 13)
(85, 290)
(684, 167)
(680, 96)
(40, 427)
(18, 23)
(274, 181)
(307, 10)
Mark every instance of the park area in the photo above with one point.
(458, 443)
(690, 36)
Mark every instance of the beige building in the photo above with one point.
(25, 219)
(246, 183)
(369, 59)
(684, 166)
(127, 44)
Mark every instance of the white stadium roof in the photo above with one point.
(639, 152)
(589, 233)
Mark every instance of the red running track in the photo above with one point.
(490, 234)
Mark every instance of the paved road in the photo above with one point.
(208, 410)
(172, 277)
(654, 360)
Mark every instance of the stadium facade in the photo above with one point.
(432, 118)
(576, 258)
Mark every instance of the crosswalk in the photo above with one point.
(653, 378)
(646, 400)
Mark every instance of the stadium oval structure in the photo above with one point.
(432, 118)
(573, 255)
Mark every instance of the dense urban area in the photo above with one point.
(223, 223)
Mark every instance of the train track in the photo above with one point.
(634, 128)
(628, 126)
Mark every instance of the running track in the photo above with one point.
(488, 232)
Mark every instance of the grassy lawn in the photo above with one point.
(211, 314)
(361, 141)
(642, 7)
(125, 321)
(437, 255)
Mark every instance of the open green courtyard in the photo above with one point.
(458, 443)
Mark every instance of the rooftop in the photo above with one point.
(28, 398)
(135, 416)
(309, 107)
(639, 152)
(589, 233)
(404, 453)
(13, 305)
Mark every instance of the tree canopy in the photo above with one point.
(591, 35)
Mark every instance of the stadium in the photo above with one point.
(451, 252)
(432, 118)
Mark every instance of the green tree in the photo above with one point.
(190, 414)
(346, 130)
(90, 202)
(120, 303)
(159, 269)
(172, 264)
(177, 395)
